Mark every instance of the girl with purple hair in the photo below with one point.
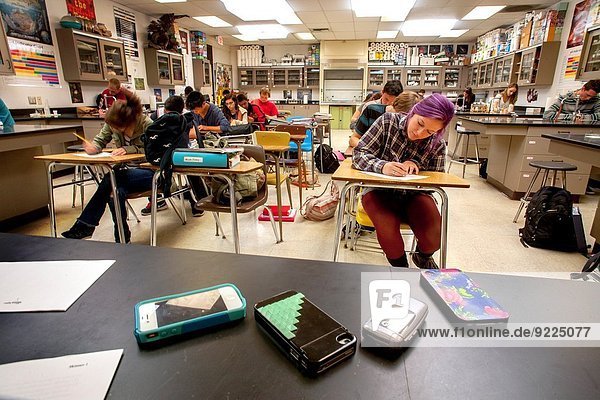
(398, 145)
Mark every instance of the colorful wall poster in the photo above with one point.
(578, 25)
(223, 74)
(34, 64)
(76, 94)
(198, 45)
(158, 95)
(572, 65)
(82, 9)
(26, 20)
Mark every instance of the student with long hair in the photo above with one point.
(508, 98)
(468, 99)
(235, 114)
(124, 125)
(397, 145)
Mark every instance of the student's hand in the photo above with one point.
(394, 169)
(410, 167)
(119, 152)
(90, 148)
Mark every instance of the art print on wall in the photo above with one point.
(434, 49)
(580, 16)
(183, 36)
(82, 9)
(76, 94)
(462, 49)
(223, 74)
(26, 20)
(171, 92)
(139, 83)
(448, 49)
(158, 95)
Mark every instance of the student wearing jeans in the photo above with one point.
(124, 124)
(397, 145)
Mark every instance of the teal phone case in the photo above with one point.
(180, 328)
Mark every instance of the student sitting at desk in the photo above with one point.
(235, 114)
(207, 117)
(124, 124)
(398, 145)
(580, 105)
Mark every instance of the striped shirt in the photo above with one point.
(590, 109)
(387, 140)
(368, 116)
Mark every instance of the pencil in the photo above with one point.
(81, 137)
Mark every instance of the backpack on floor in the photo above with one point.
(330, 160)
(166, 134)
(549, 220)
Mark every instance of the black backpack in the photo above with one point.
(330, 161)
(166, 134)
(549, 220)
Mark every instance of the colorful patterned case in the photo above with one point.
(463, 297)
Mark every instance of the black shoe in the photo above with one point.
(79, 231)
(160, 205)
(127, 236)
(197, 212)
(423, 262)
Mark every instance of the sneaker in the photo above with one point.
(423, 262)
(79, 231)
(197, 212)
(160, 205)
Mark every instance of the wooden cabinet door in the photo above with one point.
(177, 74)
(113, 60)
(88, 58)
(163, 63)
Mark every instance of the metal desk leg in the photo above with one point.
(118, 211)
(300, 173)
(276, 155)
(444, 230)
(340, 220)
(233, 208)
(153, 202)
(51, 199)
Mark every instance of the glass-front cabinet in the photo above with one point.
(278, 76)
(294, 77)
(394, 74)
(88, 57)
(262, 77)
(452, 77)
(484, 78)
(413, 78)
(431, 78)
(376, 76)
(528, 64)
(164, 67)
(498, 68)
(177, 70)
(589, 66)
(6, 66)
(246, 77)
(474, 77)
(312, 76)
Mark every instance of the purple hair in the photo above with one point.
(435, 106)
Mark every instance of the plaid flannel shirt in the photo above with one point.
(387, 140)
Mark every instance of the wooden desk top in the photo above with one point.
(435, 179)
(73, 158)
(242, 168)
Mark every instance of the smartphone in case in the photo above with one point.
(177, 314)
(395, 332)
(462, 297)
(307, 335)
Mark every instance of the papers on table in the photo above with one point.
(396, 178)
(99, 155)
(79, 376)
(46, 285)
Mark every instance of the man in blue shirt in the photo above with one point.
(5, 116)
(207, 116)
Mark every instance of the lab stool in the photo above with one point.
(547, 166)
(456, 157)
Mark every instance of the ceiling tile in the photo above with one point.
(214, 7)
(341, 27)
(304, 5)
(324, 35)
(366, 35)
(310, 17)
(334, 5)
(382, 26)
(339, 16)
(438, 12)
(345, 35)
(318, 25)
(366, 19)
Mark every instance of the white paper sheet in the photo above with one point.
(396, 178)
(78, 376)
(46, 285)
(98, 155)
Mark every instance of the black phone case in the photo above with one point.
(324, 342)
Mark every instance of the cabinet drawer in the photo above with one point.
(576, 183)
(536, 145)
(582, 168)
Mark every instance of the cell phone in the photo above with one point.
(462, 297)
(163, 317)
(395, 332)
(308, 336)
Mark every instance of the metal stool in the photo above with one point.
(456, 158)
(547, 166)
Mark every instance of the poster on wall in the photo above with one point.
(34, 63)
(139, 83)
(26, 20)
(158, 95)
(171, 92)
(198, 46)
(82, 9)
(183, 36)
(223, 74)
(76, 94)
(126, 30)
(580, 16)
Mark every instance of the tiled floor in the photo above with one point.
(481, 234)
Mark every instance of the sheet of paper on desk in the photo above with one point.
(47, 285)
(99, 155)
(397, 178)
(78, 376)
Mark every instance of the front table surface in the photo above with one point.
(240, 362)
(73, 158)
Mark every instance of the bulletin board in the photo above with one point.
(223, 74)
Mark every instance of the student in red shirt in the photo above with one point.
(112, 93)
(268, 107)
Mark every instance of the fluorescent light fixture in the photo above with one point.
(263, 10)
(388, 10)
(213, 21)
(482, 12)
(245, 38)
(305, 36)
(265, 31)
(454, 33)
(387, 34)
(427, 27)
(170, 1)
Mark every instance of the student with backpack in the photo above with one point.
(124, 124)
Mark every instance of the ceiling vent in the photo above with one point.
(522, 8)
(320, 30)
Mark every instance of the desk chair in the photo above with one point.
(305, 147)
(266, 138)
(461, 132)
(207, 203)
(547, 166)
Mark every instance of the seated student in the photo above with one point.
(255, 113)
(266, 106)
(402, 103)
(397, 145)
(581, 105)
(207, 117)
(171, 118)
(371, 97)
(235, 114)
(507, 99)
(124, 124)
(5, 115)
(111, 93)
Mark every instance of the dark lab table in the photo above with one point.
(239, 362)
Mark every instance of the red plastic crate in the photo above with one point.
(288, 214)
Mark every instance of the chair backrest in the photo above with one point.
(271, 138)
(291, 129)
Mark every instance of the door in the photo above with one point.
(336, 121)
(178, 78)
(474, 77)
(507, 67)
(346, 116)
(88, 58)
(394, 74)
(164, 69)
(113, 57)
